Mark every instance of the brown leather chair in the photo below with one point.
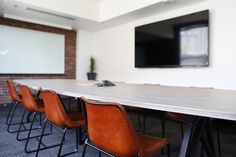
(110, 132)
(34, 106)
(57, 116)
(16, 99)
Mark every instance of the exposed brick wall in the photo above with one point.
(70, 56)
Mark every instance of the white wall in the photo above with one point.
(85, 49)
(114, 51)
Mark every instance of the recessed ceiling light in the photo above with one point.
(50, 13)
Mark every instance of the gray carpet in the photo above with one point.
(10, 147)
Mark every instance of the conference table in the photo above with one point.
(198, 103)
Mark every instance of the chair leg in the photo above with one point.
(28, 129)
(69, 103)
(41, 137)
(62, 141)
(8, 115)
(21, 123)
(80, 135)
(13, 113)
(163, 124)
(85, 146)
(31, 126)
(144, 122)
(168, 150)
(182, 129)
(77, 139)
(202, 152)
(218, 137)
(139, 120)
(40, 118)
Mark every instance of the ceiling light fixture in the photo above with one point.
(49, 13)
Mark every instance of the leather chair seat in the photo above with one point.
(150, 144)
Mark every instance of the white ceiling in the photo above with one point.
(97, 0)
(85, 14)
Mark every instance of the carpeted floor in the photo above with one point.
(10, 147)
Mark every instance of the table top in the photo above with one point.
(204, 102)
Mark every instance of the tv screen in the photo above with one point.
(177, 42)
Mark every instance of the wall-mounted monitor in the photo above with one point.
(178, 42)
(26, 51)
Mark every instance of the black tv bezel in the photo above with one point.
(178, 66)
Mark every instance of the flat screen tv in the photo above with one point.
(178, 42)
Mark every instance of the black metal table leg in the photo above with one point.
(196, 137)
(207, 147)
(198, 130)
(209, 137)
(187, 138)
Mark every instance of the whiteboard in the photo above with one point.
(25, 51)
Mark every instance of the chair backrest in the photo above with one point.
(28, 99)
(12, 91)
(110, 129)
(54, 109)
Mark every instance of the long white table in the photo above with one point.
(194, 101)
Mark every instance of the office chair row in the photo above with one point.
(108, 128)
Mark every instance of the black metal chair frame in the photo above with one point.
(13, 106)
(9, 112)
(11, 116)
(88, 143)
(64, 130)
(30, 130)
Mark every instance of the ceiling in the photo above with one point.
(97, 0)
(90, 15)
